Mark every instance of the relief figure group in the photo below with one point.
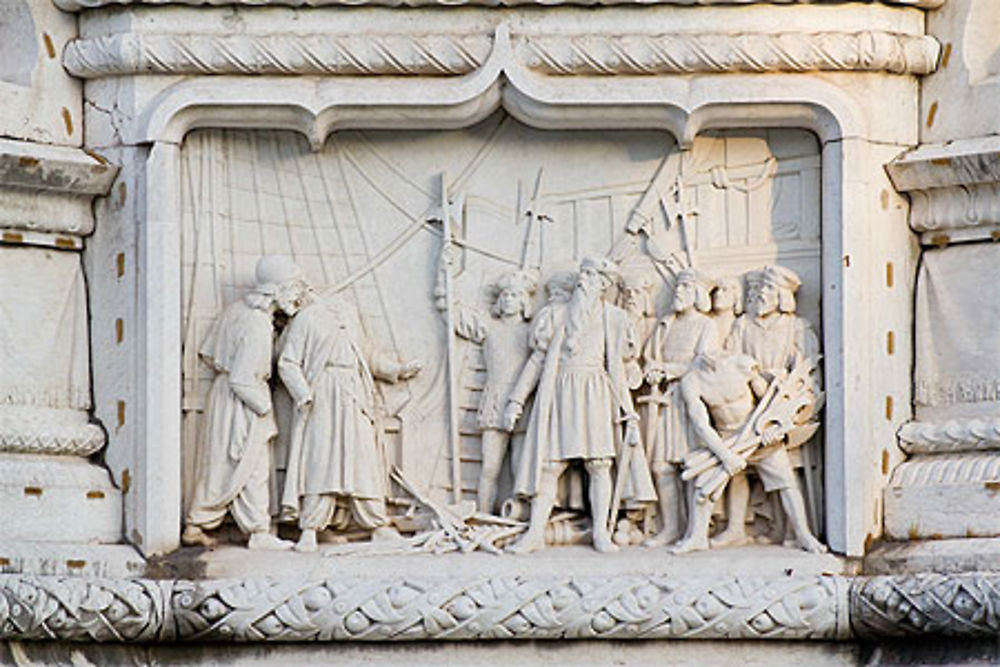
(677, 427)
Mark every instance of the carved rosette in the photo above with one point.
(965, 605)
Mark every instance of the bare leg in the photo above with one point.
(737, 502)
(795, 509)
(541, 508)
(494, 448)
(600, 503)
(671, 506)
(697, 534)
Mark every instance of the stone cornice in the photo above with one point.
(53, 168)
(76, 5)
(413, 608)
(953, 189)
(447, 54)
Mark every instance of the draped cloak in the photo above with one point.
(233, 446)
(596, 394)
(333, 448)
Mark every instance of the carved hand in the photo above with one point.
(771, 435)
(654, 376)
(632, 433)
(304, 404)
(511, 414)
(733, 463)
(410, 369)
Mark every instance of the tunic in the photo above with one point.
(239, 422)
(505, 347)
(582, 394)
(673, 345)
(775, 342)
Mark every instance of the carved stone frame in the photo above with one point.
(857, 137)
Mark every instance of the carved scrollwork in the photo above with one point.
(79, 609)
(510, 607)
(926, 604)
(76, 5)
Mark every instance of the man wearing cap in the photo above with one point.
(582, 398)
(333, 458)
(233, 464)
(677, 339)
(777, 339)
(504, 337)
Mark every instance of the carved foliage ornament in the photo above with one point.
(406, 609)
(455, 54)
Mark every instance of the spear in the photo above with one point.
(453, 435)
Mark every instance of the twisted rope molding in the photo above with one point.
(956, 435)
(42, 436)
(434, 54)
(396, 608)
(76, 5)
(456, 54)
(724, 52)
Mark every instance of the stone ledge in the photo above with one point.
(77, 5)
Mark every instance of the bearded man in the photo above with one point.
(777, 339)
(578, 364)
(677, 339)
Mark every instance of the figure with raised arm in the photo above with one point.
(329, 369)
(503, 333)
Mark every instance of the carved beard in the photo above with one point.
(581, 305)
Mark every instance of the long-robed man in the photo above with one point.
(582, 398)
(333, 455)
(232, 468)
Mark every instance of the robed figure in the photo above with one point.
(582, 399)
(333, 454)
(233, 463)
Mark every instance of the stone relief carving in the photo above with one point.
(925, 604)
(374, 448)
(233, 462)
(416, 608)
(456, 54)
(334, 462)
(503, 333)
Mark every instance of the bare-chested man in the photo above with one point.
(719, 400)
